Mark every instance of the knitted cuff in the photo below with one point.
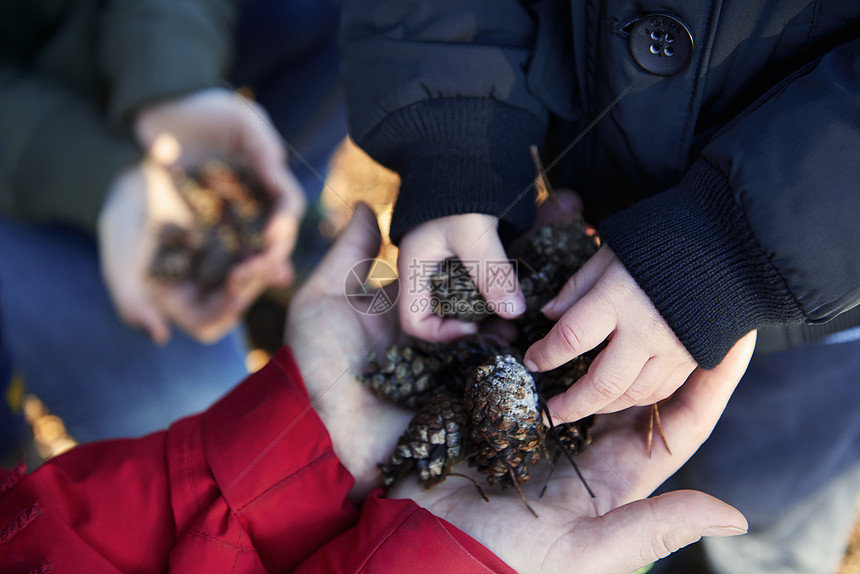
(459, 155)
(692, 251)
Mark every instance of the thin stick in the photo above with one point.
(543, 181)
(520, 492)
(473, 481)
(538, 275)
(567, 453)
(651, 428)
(552, 463)
(660, 427)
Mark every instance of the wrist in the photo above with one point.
(693, 253)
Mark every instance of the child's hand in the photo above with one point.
(473, 238)
(644, 362)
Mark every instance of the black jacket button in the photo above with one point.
(661, 44)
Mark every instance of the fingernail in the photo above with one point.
(722, 531)
(530, 365)
(519, 303)
(548, 307)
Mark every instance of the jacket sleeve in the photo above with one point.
(439, 94)
(762, 230)
(59, 156)
(251, 485)
(63, 146)
(156, 49)
(399, 536)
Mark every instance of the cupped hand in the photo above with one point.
(644, 361)
(331, 341)
(618, 530)
(216, 123)
(142, 199)
(474, 239)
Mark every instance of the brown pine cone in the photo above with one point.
(571, 437)
(558, 380)
(432, 443)
(505, 431)
(462, 357)
(553, 254)
(175, 257)
(455, 295)
(406, 375)
(230, 210)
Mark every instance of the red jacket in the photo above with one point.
(251, 485)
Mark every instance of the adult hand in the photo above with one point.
(644, 361)
(217, 123)
(142, 199)
(471, 237)
(618, 530)
(331, 341)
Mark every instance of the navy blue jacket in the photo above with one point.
(730, 190)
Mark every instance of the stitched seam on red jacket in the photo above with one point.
(186, 456)
(219, 542)
(328, 453)
(457, 542)
(382, 542)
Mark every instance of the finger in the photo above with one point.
(139, 312)
(494, 276)
(608, 378)
(581, 283)
(659, 378)
(417, 320)
(262, 145)
(207, 320)
(582, 327)
(687, 419)
(358, 242)
(637, 534)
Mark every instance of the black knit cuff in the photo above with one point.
(459, 155)
(692, 251)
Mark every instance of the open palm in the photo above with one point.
(331, 342)
(617, 531)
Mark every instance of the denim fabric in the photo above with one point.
(786, 453)
(11, 422)
(101, 377)
(286, 53)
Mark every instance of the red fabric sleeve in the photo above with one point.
(400, 536)
(251, 485)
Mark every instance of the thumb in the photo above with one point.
(359, 241)
(141, 313)
(642, 532)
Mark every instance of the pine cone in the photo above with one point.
(553, 254)
(462, 357)
(571, 437)
(432, 443)
(456, 295)
(558, 380)
(505, 430)
(175, 259)
(407, 375)
(230, 210)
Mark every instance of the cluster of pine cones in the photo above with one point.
(230, 210)
(475, 400)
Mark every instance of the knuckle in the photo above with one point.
(638, 394)
(569, 338)
(607, 386)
